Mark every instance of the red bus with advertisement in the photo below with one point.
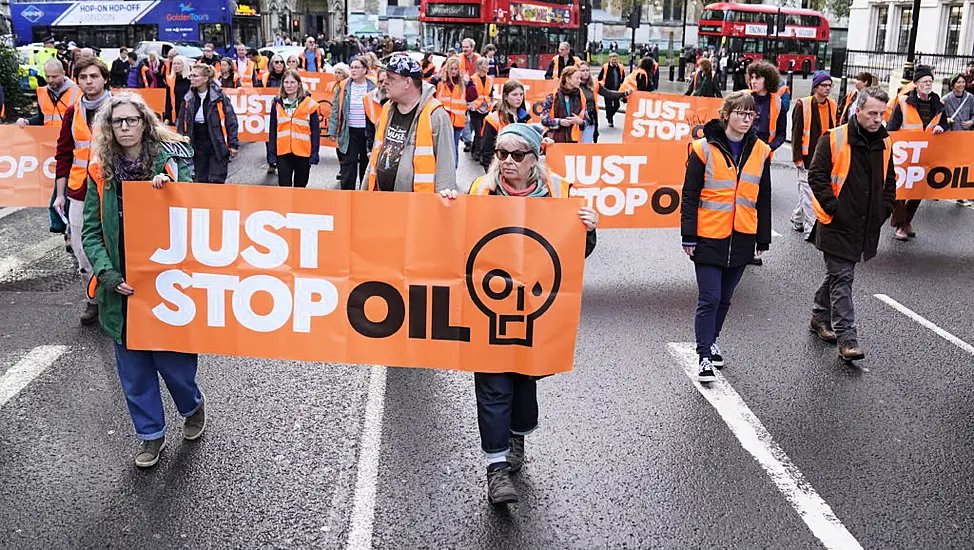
(792, 38)
(526, 33)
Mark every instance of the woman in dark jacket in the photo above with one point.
(702, 83)
(510, 109)
(725, 216)
(564, 111)
(209, 122)
(274, 76)
(177, 85)
(592, 89)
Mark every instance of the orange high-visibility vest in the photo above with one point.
(424, 161)
(556, 71)
(485, 91)
(576, 132)
(54, 112)
(807, 107)
(841, 161)
(463, 62)
(303, 61)
(558, 187)
(294, 131)
(630, 83)
(171, 84)
(773, 117)
(247, 78)
(911, 117)
(454, 101)
(605, 73)
(891, 104)
(729, 198)
(368, 102)
(849, 99)
(190, 120)
(496, 122)
(82, 148)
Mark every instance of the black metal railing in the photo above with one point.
(883, 65)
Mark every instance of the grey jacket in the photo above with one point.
(959, 109)
(338, 122)
(443, 149)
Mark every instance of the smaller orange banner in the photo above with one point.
(630, 185)
(535, 92)
(155, 98)
(933, 167)
(27, 165)
(652, 116)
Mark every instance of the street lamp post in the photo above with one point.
(911, 52)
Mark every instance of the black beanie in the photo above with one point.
(922, 71)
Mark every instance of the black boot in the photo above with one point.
(500, 488)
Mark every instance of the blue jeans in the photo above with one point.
(467, 133)
(507, 403)
(456, 146)
(716, 287)
(139, 373)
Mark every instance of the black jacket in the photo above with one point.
(488, 139)
(815, 133)
(738, 249)
(182, 88)
(119, 73)
(896, 119)
(613, 77)
(866, 199)
(187, 120)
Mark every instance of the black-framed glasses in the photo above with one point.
(129, 121)
(518, 156)
(746, 115)
(278, 61)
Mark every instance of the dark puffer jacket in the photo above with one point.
(187, 120)
(738, 249)
(866, 199)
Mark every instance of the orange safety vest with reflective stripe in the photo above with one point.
(171, 84)
(849, 98)
(294, 131)
(424, 161)
(630, 83)
(891, 104)
(807, 107)
(576, 131)
(247, 78)
(454, 101)
(773, 117)
(82, 148)
(558, 187)
(496, 122)
(303, 61)
(54, 112)
(605, 73)
(729, 198)
(485, 91)
(841, 161)
(368, 102)
(463, 62)
(911, 117)
(556, 71)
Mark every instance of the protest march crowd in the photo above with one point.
(397, 125)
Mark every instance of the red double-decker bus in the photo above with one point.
(790, 37)
(526, 33)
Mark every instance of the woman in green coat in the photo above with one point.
(131, 144)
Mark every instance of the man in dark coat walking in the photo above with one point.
(850, 212)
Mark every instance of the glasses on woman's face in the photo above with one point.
(745, 115)
(518, 156)
(278, 62)
(128, 121)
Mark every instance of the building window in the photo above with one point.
(882, 17)
(955, 12)
(906, 23)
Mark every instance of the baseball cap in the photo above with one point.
(403, 65)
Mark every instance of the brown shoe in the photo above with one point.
(851, 352)
(822, 330)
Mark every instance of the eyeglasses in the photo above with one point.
(129, 121)
(278, 62)
(518, 156)
(746, 115)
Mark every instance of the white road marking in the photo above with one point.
(27, 369)
(29, 254)
(749, 430)
(925, 323)
(370, 446)
(4, 212)
(775, 233)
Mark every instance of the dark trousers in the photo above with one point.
(715, 286)
(833, 300)
(477, 126)
(611, 108)
(139, 373)
(293, 171)
(208, 168)
(355, 160)
(507, 403)
(903, 212)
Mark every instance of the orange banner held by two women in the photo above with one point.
(485, 284)
(652, 116)
(631, 186)
(27, 165)
(155, 98)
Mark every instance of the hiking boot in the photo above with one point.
(706, 374)
(516, 457)
(716, 359)
(822, 330)
(90, 314)
(851, 351)
(149, 454)
(195, 423)
(500, 488)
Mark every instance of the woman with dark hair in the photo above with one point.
(863, 80)
(723, 227)
(772, 113)
(427, 66)
(228, 77)
(641, 79)
(564, 112)
(702, 83)
(132, 144)
(295, 133)
(507, 402)
(210, 123)
(592, 89)
(352, 123)
(510, 109)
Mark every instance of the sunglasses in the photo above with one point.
(278, 62)
(518, 156)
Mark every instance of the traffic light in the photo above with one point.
(635, 16)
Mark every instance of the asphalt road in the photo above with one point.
(793, 449)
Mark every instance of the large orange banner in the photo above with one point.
(487, 284)
(667, 117)
(934, 167)
(27, 165)
(630, 185)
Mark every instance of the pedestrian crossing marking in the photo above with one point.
(27, 369)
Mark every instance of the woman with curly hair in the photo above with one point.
(132, 144)
(772, 111)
